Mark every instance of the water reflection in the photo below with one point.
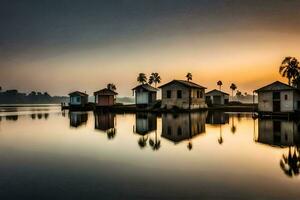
(78, 118)
(12, 117)
(105, 121)
(146, 123)
(282, 133)
(217, 118)
(184, 126)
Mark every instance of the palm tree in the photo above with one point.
(154, 78)
(111, 86)
(289, 68)
(189, 76)
(142, 78)
(296, 82)
(233, 87)
(219, 83)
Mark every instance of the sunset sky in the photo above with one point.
(64, 45)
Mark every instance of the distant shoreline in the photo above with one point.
(29, 105)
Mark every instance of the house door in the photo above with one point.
(276, 106)
(217, 99)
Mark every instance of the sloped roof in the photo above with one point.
(105, 91)
(78, 93)
(218, 91)
(277, 85)
(188, 84)
(146, 87)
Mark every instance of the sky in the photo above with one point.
(64, 45)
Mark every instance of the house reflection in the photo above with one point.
(216, 118)
(105, 121)
(279, 133)
(78, 118)
(282, 133)
(184, 126)
(145, 123)
(39, 116)
(12, 117)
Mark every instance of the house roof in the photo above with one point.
(217, 91)
(105, 91)
(188, 84)
(77, 93)
(277, 85)
(146, 87)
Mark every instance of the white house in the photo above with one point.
(182, 94)
(78, 98)
(145, 94)
(216, 97)
(278, 97)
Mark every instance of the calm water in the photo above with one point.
(46, 153)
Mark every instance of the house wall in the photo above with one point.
(265, 101)
(184, 101)
(105, 100)
(296, 99)
(142, 97)
(213, 94)
(78, 100)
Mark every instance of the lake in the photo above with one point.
(49, 154)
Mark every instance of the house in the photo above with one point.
(216, 97)
(182, 94)
(105, 97)
(145, 94)
(78, 98)
(278, 97)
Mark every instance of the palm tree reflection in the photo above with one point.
(143, 141)
(155, 144)
(290, 163)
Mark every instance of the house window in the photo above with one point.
(179, 131)
(286, 97)
(168, 94)
(276, 95)
(169, 130)
(198, 94)
(179, 94)
(78, 99)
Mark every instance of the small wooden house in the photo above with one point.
(183, 94)
(78, 98)
(145, 94)
(216, 97)
(278, 97)
(105, 97)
